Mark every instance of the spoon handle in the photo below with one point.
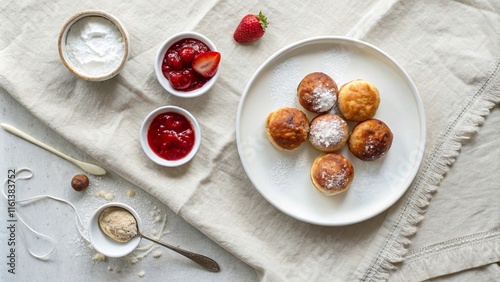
(206, 262)
(40, 144)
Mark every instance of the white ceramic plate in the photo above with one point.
(283, 177)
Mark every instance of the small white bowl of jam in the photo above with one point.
(186, 64)
(94, 45)
(170, 136)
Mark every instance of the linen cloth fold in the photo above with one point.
(451, 49)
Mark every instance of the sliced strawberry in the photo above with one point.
(206, 64)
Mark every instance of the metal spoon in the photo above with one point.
(206, 262)
(90, 168)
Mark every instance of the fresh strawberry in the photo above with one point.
(251, 27)
(206, 64)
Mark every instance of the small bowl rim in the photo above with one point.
(160, 53)
(92, 13)
(144, 140)
(105, 245)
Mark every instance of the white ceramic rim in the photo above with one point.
(144, 139)
(62, 46)
(160, 54)
(407, 79)
(105, 245)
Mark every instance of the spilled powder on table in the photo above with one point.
(98, 258)
(95, 197)
(130, 193)
(109, 196)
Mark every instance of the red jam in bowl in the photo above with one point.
(171, 136)
(177, 68)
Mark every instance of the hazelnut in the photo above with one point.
(80, 182)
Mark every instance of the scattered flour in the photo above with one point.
(108, 196)
(105, 195)
(99, 257)
(130, 193)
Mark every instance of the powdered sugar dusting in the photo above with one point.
(336, 61)
(284, 82)
(334, 180)
(284, 169)
(324, 98)
(371, 148)
(283, 92)
(370, 180)
(335, 110)
(327, 132)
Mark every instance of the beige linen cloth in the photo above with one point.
(446, 227)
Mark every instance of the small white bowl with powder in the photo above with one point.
(94, 45)
(106, 245)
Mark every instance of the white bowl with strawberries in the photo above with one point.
(187, 64)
